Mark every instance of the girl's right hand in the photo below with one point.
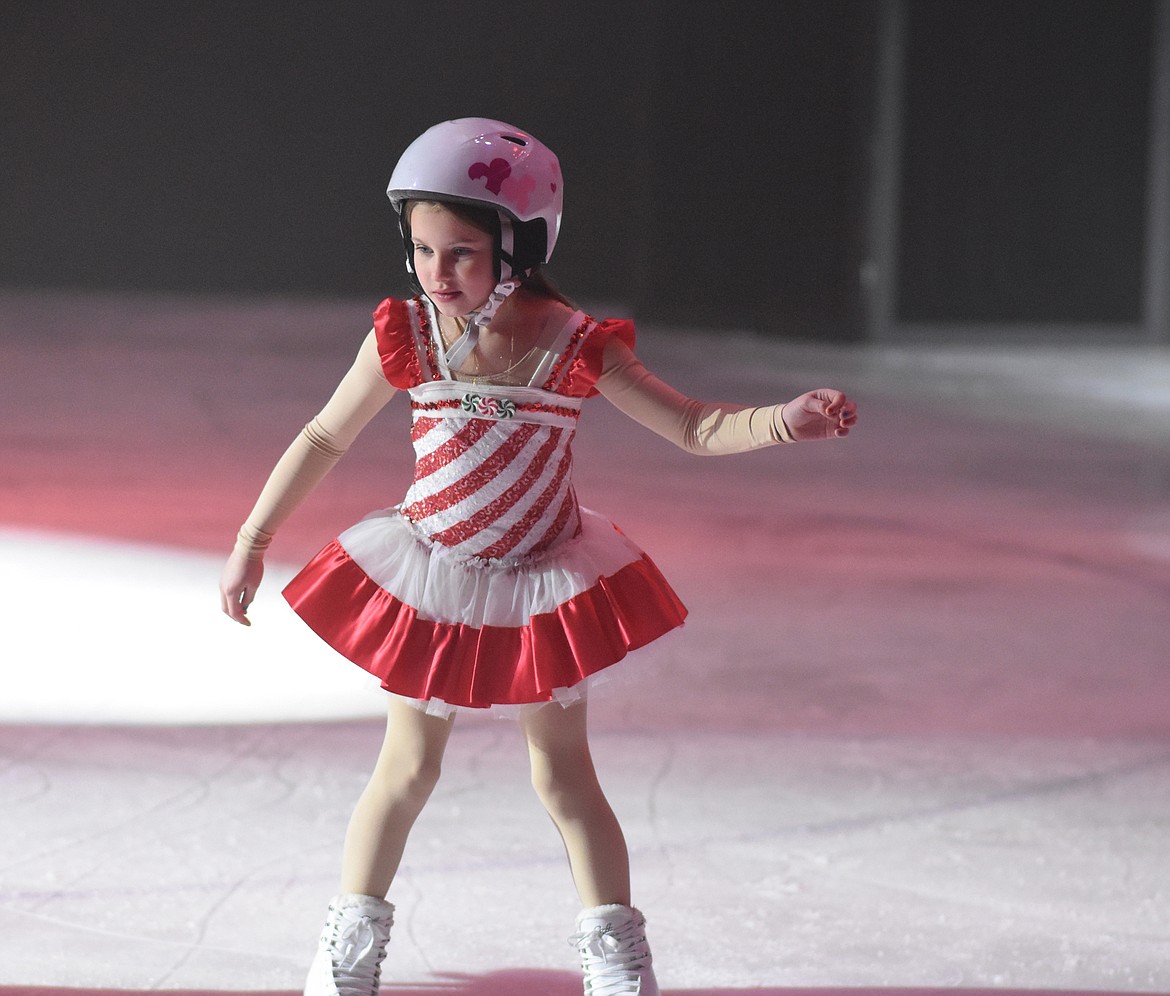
(238, 584)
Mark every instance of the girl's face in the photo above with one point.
(452, 259)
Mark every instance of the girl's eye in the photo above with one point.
(422, 249)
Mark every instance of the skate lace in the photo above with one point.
(354, 939)
(612, 959)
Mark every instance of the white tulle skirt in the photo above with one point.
(452, 632)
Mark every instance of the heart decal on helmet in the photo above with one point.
(495, 173)
(519, 189)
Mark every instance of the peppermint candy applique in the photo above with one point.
(487, 407)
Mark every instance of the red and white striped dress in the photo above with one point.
(488, 586)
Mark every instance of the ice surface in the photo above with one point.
(915, 735)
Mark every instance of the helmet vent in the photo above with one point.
(514, 138)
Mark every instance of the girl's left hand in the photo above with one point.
(820, 414)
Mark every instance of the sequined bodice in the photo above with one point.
(492, 468)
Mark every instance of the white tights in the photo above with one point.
(563, 775)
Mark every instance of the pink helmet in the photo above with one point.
(489, 164)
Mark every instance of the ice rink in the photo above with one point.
(915, 735)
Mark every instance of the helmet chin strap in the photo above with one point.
(461, 348)
(504, 289)
(508, 281)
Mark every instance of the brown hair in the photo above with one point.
(477, 217)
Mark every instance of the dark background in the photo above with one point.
(718, 158)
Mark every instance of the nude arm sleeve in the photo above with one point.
(695, 426)
(362, 393)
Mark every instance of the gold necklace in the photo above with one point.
(498, 376)
(478, 377)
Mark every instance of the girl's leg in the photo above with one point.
(406, 772)
(566, 782)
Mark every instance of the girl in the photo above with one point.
(489, 587)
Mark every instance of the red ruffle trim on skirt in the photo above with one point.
(481, 667)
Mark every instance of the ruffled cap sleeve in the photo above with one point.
(396, 347)
(586, 366)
